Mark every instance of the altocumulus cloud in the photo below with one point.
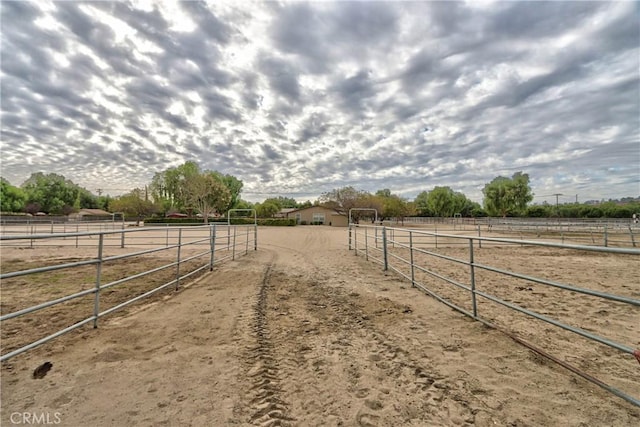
(298, 98)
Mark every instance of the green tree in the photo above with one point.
(168, 187)
(539, 211)
(103, 202)
(134, 204)
(395, 206)
(243, 204)
(422, 205)
(391, 205)
(507, 196)
(282, 202)
(444, 202)
(54, 193)
(12, 199)
(267, 209)
(234, 185)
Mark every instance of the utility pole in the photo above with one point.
(557, 194)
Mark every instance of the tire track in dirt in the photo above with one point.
(267, 406)
(330, 376)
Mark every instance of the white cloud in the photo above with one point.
(299, 98)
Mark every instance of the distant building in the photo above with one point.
(283, 212)
(177, 215)
(91, 215)
(319, 215)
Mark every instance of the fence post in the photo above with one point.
(96, 297)
(77, 231)
(246, 248)
(384, 247)
(473, 280)
(355, 242)
(350, 236)
(606, 237)
(479, 240)
(413, 275)
(51, 226)
(178, 261)
(212, 233)
(633, 241)
(366, 245)
(235, 231)
(255, 237)
(122, 237)
(376, 237)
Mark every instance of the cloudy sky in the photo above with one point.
(298, 98)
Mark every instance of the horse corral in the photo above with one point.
(302, 332)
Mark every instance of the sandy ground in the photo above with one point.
(304, 333)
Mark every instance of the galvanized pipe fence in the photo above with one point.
(194, 249)
(598, 232)
(398, 249)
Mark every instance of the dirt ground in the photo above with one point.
(302, 332)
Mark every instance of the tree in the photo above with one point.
(103, 202)
(134, 204)
(169, 188)
(395, 207)
(234, 185)
(347, 198)
(206, 194)
(12, 199)
(422, 205)
(243, 204)
(282, 202)
(54, 193)
(391, 205)
(343, 199)
(507, 196)
(267, 209)
(443, 202)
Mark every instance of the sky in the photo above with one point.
(299, 98)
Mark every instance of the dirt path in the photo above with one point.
(301, 333)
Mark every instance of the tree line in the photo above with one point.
(190, 190)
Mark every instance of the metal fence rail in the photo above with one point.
(188, 250)
(609, 232)
(414, 253)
